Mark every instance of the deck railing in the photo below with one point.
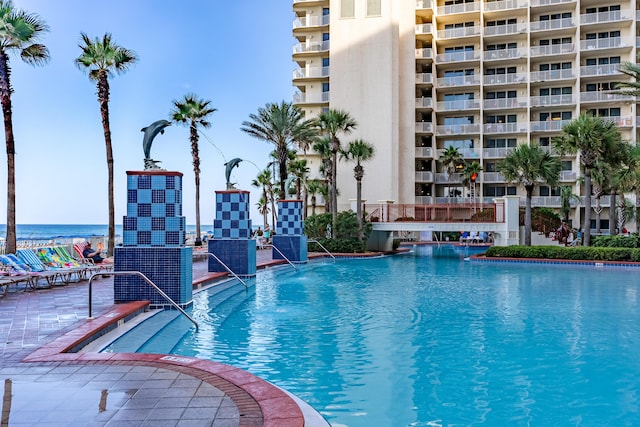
(470, 212)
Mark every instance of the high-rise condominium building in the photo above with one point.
(420, 76)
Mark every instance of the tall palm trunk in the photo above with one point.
(103, 97)
(359, 173)
(612, 211)
(527, 215)
(334, 191)
(196, 172)
(7, 111)
(587, 207)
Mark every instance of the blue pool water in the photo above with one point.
(427, 339)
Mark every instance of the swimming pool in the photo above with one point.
(427, 339)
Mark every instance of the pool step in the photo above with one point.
(144, 332)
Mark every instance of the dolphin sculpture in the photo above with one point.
(230, 165)
(150, 132)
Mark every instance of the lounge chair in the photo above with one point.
(15, 271)
(69, 269)
(85, 264)
(29, 257)
(79, 250)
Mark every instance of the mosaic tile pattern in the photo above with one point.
(154, 210)
(294, 248)
(232, 215)
(170, 269)
(238, 254)
(290, 221)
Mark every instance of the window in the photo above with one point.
(603, 35)
(603, 61)
(594, 87)
(605, 112)
(458, 49)
(565, 165)
(500, 142)
(459, 73)
(501, 94)
(510, 21)
(545, 191)
(494, 71)
(613, 8)
(555, 66)
(347, 9)
(498, 191)
(509, 118)
(325, 62)
(458, 25)
(458, 96)
(548, 42)
(556, 115)
(325, 87)
(325, 37)
(464, 120)
(502, 46)
(555, 16)
(556, 91)
(458, 143)
(374, 8)
(544, 141)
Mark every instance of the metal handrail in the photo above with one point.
(226, 267)
(282, 255)
(437, 241)
(146, 279)
(325, 249)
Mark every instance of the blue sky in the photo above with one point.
(236, 54)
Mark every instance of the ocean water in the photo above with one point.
(66, 231)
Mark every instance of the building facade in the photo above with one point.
(420, 76)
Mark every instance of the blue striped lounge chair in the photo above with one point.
(16, 272)
(54, 276)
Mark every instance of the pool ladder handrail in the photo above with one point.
(149, 282)
(325, 249)
(226, 267)
(281, 254)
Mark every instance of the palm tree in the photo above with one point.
(20, 32)
(101, 58)
(263, 180)
(300, 170)
(590, 136)
(194, 112)
(471, 173)
(528, 165)
(283, 125)
(625, 179)
(313, 188)
(331, 123)
(566, 198)
(322, 147)
(451, 158)
(358, 151)
(263, 208)
(631, 88)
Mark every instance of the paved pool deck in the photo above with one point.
(45, 383)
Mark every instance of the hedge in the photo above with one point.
(568, 253)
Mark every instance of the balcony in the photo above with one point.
(537, 3)
(459, 8)
(501, 128)
(424, 29)
(453, 33)
(606, 17)
(489, 177)
(311, 98)
(469, 129)
(621, 121)
(501, 103)
(549, 149)
(424, 127)
(457, 81)
(424, 200)
(493, 55)
(544, 201)
(503, 30)
(608, 43)
(463, 56)
(466, 153)
(603, 96)
(311, 47)
(424, 176)
(568, 176)
(424, 78)
(423, 4)
(311, 73)
(552, 24)
(505, 79)
(548, 126)
(600, 70)
(424, 102)
(556, 49)
(505, 5)
(424, 53)
(311, 21)
(459, 105)
(496, 153)
(424, 152)
(447, 178)
(552, 100)
(552, 75)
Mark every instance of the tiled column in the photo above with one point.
(153, 240)
(232, 242)
(290, 238)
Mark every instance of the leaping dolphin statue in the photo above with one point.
(230, 165)
(150, 132)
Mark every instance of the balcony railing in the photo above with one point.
(605, 17)
(472, 80)
(492, 177)
(311, 21)
(608, 43)
(462, 104)
(424, 102)
(548, 126)
(544, 201)
(621, 121)
(467, 153)
(424, 78)
(423, 4)
(568, 175)
(496, 153)
(505, 5)
(501, 30)
(424, 127)
(552, 24)
(535, 3)
(545, 76)
(425, 52)
(501, 103)
(424, 176)
(459, 8)
(556, 49)
(491, 55)
(457, 129)
(505, 128)
(602, 96)
(444, 178)
(499, 79)
(311, 47)
(604, 200)
(313, 72)
(546, 101)
(424, 29)
(424, 200)
(600, 70)
(424, 152)
(549, 149)
(473, 55)
(311, 98)
(452, 33)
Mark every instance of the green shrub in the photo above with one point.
(348, 246)
(568, 253)
(318, 227)
(619, 241)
